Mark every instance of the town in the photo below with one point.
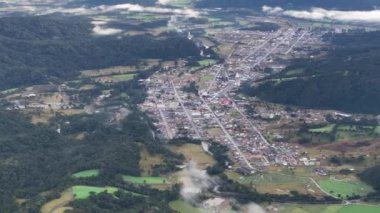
(211, 107)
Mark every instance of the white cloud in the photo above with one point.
(138, 8)
(163, 2)
(372, 16)
(101, 30)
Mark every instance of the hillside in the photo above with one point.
(38, 49)
(292, 4)
(36, 163)
(346, 79)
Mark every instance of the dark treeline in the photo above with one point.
(347, 79)
(292, 4)
(37, 49)
(220, 154)
(372, 176)
(263, 26)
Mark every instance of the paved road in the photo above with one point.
(226, 132)
(295, 43)
(185, 110)
(168, 131)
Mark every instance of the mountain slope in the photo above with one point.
(347, 79)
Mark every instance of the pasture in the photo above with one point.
(277, 183)
(83, 192)
(359, 208)
(123, 77)
(183, 207)
(207, 62)
(194, 152)
(344, 189)
(353, 208)
(324, 129)
(145, 180)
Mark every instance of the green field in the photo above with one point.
(83, 192)
(183, 207)
(123, 77)
(357, 208)
(207, 62)
(336, 187)
(325, 129)
(145, 180)
(377, 130)
(86, 173)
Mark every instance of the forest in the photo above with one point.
(292, 4)
(346, 79)
(36, 159)
(39, 49)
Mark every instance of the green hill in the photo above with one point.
(346, 79)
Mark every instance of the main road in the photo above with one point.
(226, 132)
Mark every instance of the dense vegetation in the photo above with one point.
(36, 159)
(372, 176)
(292, 4)
(39, 49)
(263, 26)
(347, 78)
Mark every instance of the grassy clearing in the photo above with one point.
(123, 77)
(83, 192)
(273, 178)
(353, 208)
(194, 152)
(207, 62)
(344, 189)
(206, 78)
(148, 161)
(145, 180)
(215, 131)
(183, 207)
(86, 173)
(87, 87)
(65, 198)
(291, 208)
(276, 183)
(108, 71)
(325, 129)
(359, 208)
